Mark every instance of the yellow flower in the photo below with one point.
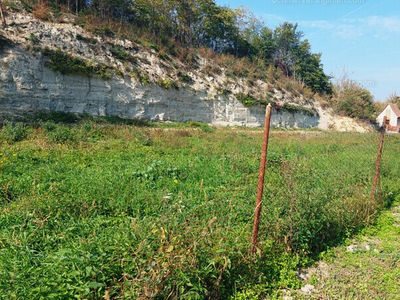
(1, 154)
(176, 181)
(14, 154)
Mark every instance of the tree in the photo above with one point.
(352, 100)
(218, 26)
(267, 46)
(3, 19)
(287, 39)
(394, 99)
(308, 68)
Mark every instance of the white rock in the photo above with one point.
(308, 288)
(351, 248)
(28, 84)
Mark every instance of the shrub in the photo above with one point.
(61, 134)
(68, 64)
(163, 56)
(140, 76)
(14, 132)
(352, 100)
(42, 11)
(299, 109)
(33, 39)
(104, 31)
(122, 55)
(203, 126)
(185, 78)
(49, 126)
(246, 99)
(119, 73)
(167, 84)
(57, 117)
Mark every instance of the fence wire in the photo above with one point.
(168, 213)
(318, 188)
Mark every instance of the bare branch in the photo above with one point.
(3, 19)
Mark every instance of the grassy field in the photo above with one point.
(364, 267)
(98, 210)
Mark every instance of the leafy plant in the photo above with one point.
(352, 100)
(68, 64)
(122, 55)
(185, 78)
(299, 109)
(14, 132)
(33, 39)
(246, 99)
(167, 84)
(141, 76)
(127, 211)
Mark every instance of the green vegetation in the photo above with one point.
(95, 210)
(233, 42)
(68, 64)
(299, 109)
(246, 99)
(167, 84)
(122, 55)
(181, 28)
(33, 39)
(140, 76)
(14, 132)
(366, 266)
(352, 100)
(249, 100)
(185, 78)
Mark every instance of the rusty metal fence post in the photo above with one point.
(378, 163)
(261, 175)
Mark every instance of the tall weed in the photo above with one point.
(95, 210)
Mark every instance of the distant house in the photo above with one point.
(390, 118)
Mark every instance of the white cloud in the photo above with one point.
(387, 24)
(322, 25)
(377, 26)
(272, 20)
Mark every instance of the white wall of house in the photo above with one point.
(390, 115)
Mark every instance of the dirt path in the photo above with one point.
(367, 267)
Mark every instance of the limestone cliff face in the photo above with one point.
(28, 84)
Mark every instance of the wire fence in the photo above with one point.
(169, 213)
(319, 188)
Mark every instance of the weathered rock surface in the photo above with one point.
(27, 84)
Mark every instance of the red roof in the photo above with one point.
(395, 109)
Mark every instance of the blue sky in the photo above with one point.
(358, 37)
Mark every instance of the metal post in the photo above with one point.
(261, 175)
(378, 163)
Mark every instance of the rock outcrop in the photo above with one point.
(28, 83)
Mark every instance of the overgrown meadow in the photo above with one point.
(98, 210)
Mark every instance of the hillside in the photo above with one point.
(64, 67)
